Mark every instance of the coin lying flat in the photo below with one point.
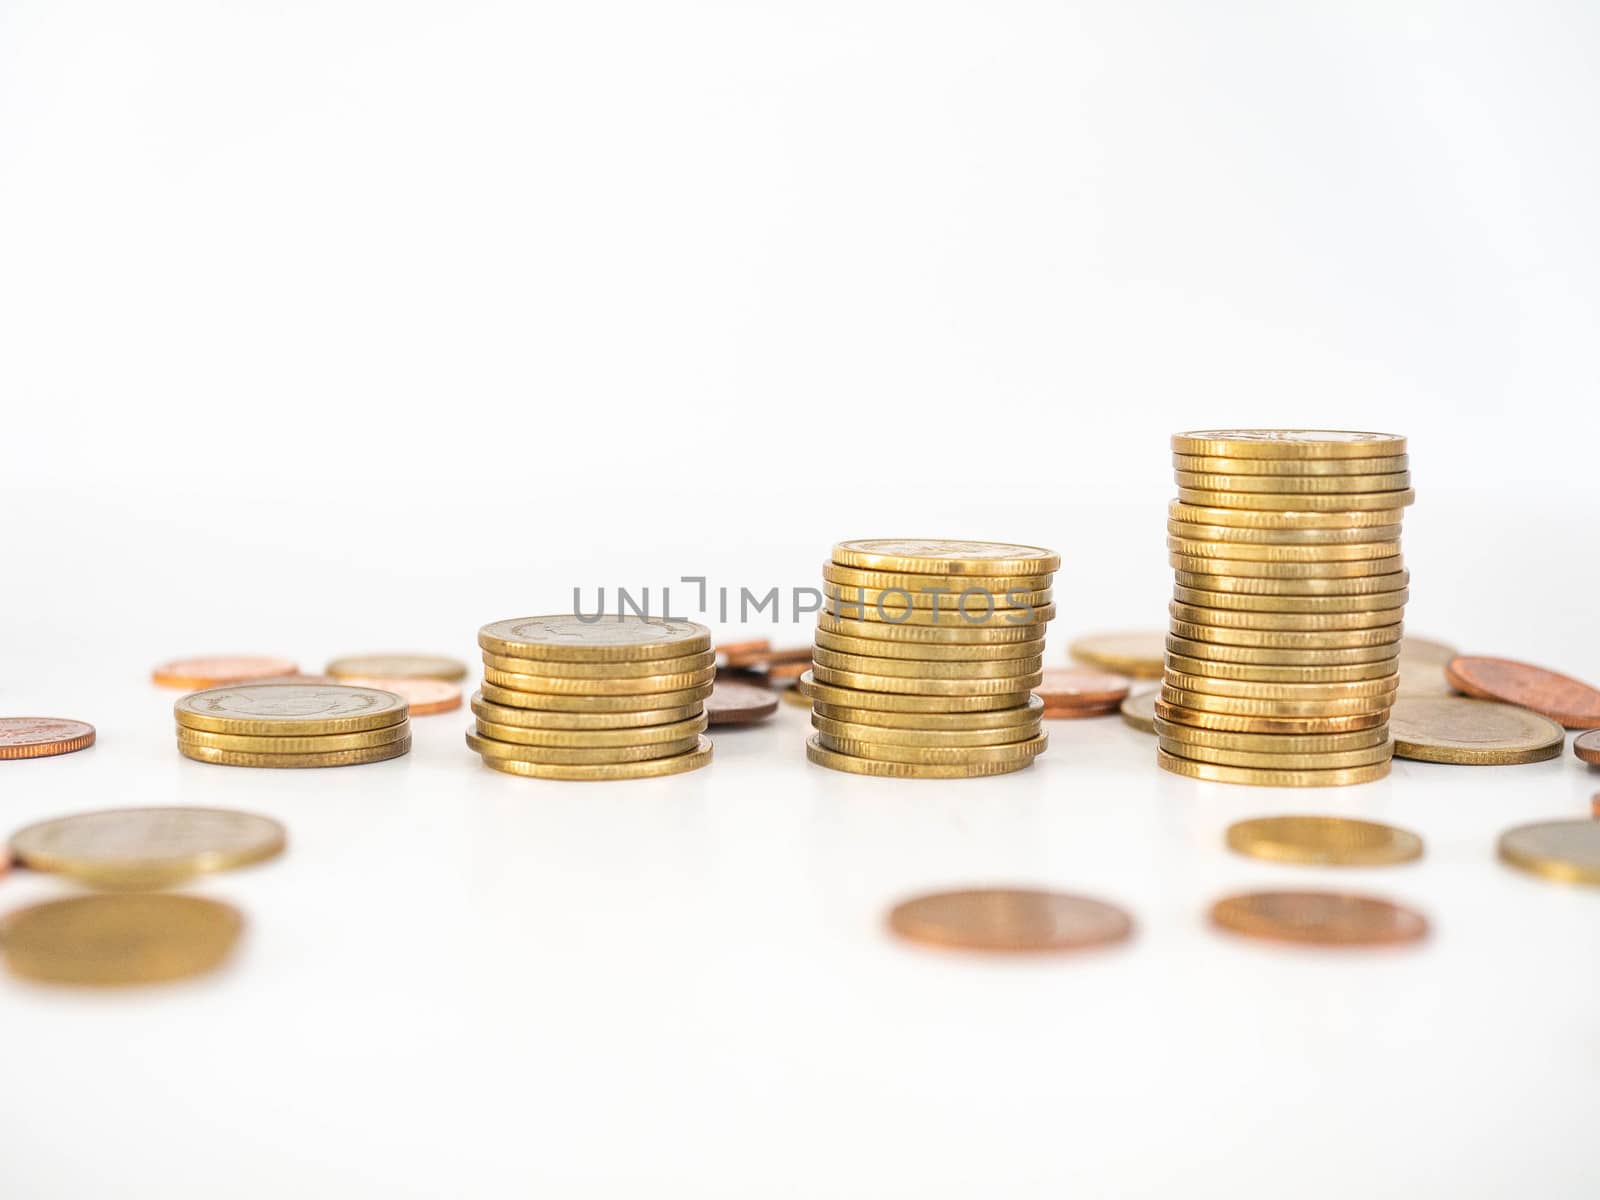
(1276, 759)
(1177, 714)
(1569, 701)
(1268, 777)
(570, 638)
(682, 664)
(588, 705)
(1422, 664)
(938, 556)
(849, 577)
(1246, 672)
(289, 709)
(916, 668)
(858, 765)
(928, 652)
(1291, 466)
(1319, 918)
(425, 696)
(192, 674)
(106, 941)
(1140, 711)
(1006, 718)
(489, 748)
(1010, 920)
(1019, 752)
(335, 758)
(1587, 746)
(1288, 485)
(735, 703)
(627, 685)
(958, 632)
(888, 735)
(1318, 605)
(1273, 743)
(1288, 443)
(555, 719)
(399, 666)
(325, 743)
(1561, 851)
(1007, 685)
(1455, 729)
(1327, 841)
(1134, 652)
(1211, 580)
(42, 737)
(596, 772)
(1285, 522)
(850, 697)
(1069, 686)
(572, 739)
(147, 847)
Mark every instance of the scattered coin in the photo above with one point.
(1010, 920)
(1455, 729)
(727, 651)
(399, 666)
(1326, 841)
(112, 940)
(1140, 710)
(1080, 692)
(193, 674)
(425, 696)
(1587, 746)
(1574, 704)
(42, 737)
(139, 848)
(1319, 918)
(1422, 664)
(1561, 851)
(734, 703)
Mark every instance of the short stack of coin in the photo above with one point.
(292, 724)
(605, 697)
(1283, 655)
(926, 655)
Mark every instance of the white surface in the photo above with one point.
(347, 327)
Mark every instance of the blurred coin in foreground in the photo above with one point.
(147, 847)
(1560, 851)
(1325, 841)
(1319, 918)
(111, 940)
(1010, 920)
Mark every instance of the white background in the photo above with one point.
(338, 327)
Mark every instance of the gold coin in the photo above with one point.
(960, 617)
(561, 685)
(147, 847)
(1006, 668)
(1001, 718)
(1342, 536)
(1269, 639)
(554, 702)
(106, 941)
(1245, 707)
(537, 718)
(1295, 485)
(979, 601)
(289, 709)
(961, 633)
(593, 739)
(1275, 657)
(1246, 518)
(935, 556)
(1359, 568)
(1266, 777)
(338, 758)
(1277, 761)
(1360, 586)
(399, 666)
(578, 755)
(849, 577)
(326, 744)
(684, 664)
(1227, 618)
(1233, 552)
(1288, 443)
(1273, 743)
(1136, 653)
(650, 768)
(1454, 729)
(1319, 919)
(1009, 920)
(1026, 750)
(1251, 689)
(1009, 685)
(1422, 665)
(854, 731)
(1253, 673)
(1140, 711)
(1561, 851)
(1291, 466)
(1235, 723)
(850, 697)
(617, 638)
(823, 757)
(1281, 502)
(931, 652)
(1243, 602)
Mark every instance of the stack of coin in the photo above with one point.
(926, 655)
(1283, 655)
(292, 724)
(609, 697)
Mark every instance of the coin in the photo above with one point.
(1238, 723)
(728, 652)
(193, 674)
(595, 739)
(489, 748)
(566, 637)
(1243, 569)
(1587, 746)
(561, 685)
(960, 633)
(1136, 653)
(596, 772)
(1005, 668)
(1023, 751)
(1257, 707)
(1011, 920)
(1140, 711)
(42, 737)
(1561, 851)
(1257, 673)
(424, 696)
(961, 616)
(114, 940)
(1385, 502)
(1007, 718)
(1009, 685)
(1251, 585)
(818, 753)
(1454, 729)
(1334, 639)
(515, 698)
(767, 658)
(854, 731)
(1283, 554)
(1319, 918)
(1245, 518)
(1272, 743)
(938, 556)
(734, 703)
(289, 709)
(1245, 602)
(1266, 656)
(580, 674)
(1422, 664)
(978, 601)
(1341, 536)
(399, 666)
(1291, 466)
(1569, 701)
(1288, 443)
(1266, 777)
(323, 744)
(850, 578)
(929, 652)
(147, 847)
(1324, 841)
(1249, 689)
(1068, 687)
(1295, 485)
(1287, 622)
(551, 719)
(336, 758)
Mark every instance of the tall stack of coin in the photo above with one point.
(608, 697)
(1283, 656)
(292, 724)
(926, 655)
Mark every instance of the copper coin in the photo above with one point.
(766, 658)
(195, 674)
(735, 703)
(426, 696)
(1062, 712)
(1009, 919)
(729, 651)
(1587, 746)
(1081, 687)
(785, 671)
(1574, 704)
(41, 737)
(1319, 918)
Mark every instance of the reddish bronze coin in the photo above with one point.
(1319, 918)
(196, 674)
(42, 737)
(1009, 919)
(1061, 712)
(425, 696)
(730, 652)
(735, 703)
(782, 671)
(1587, 746)
(1081, 687)
(1569, 701)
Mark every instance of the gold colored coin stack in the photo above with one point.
(925, 656)
(292, 724)
(611, 697)
(1283, 656)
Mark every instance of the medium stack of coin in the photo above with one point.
(292, 725)
(608, 697)
(1283, 651)
(926, 655)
